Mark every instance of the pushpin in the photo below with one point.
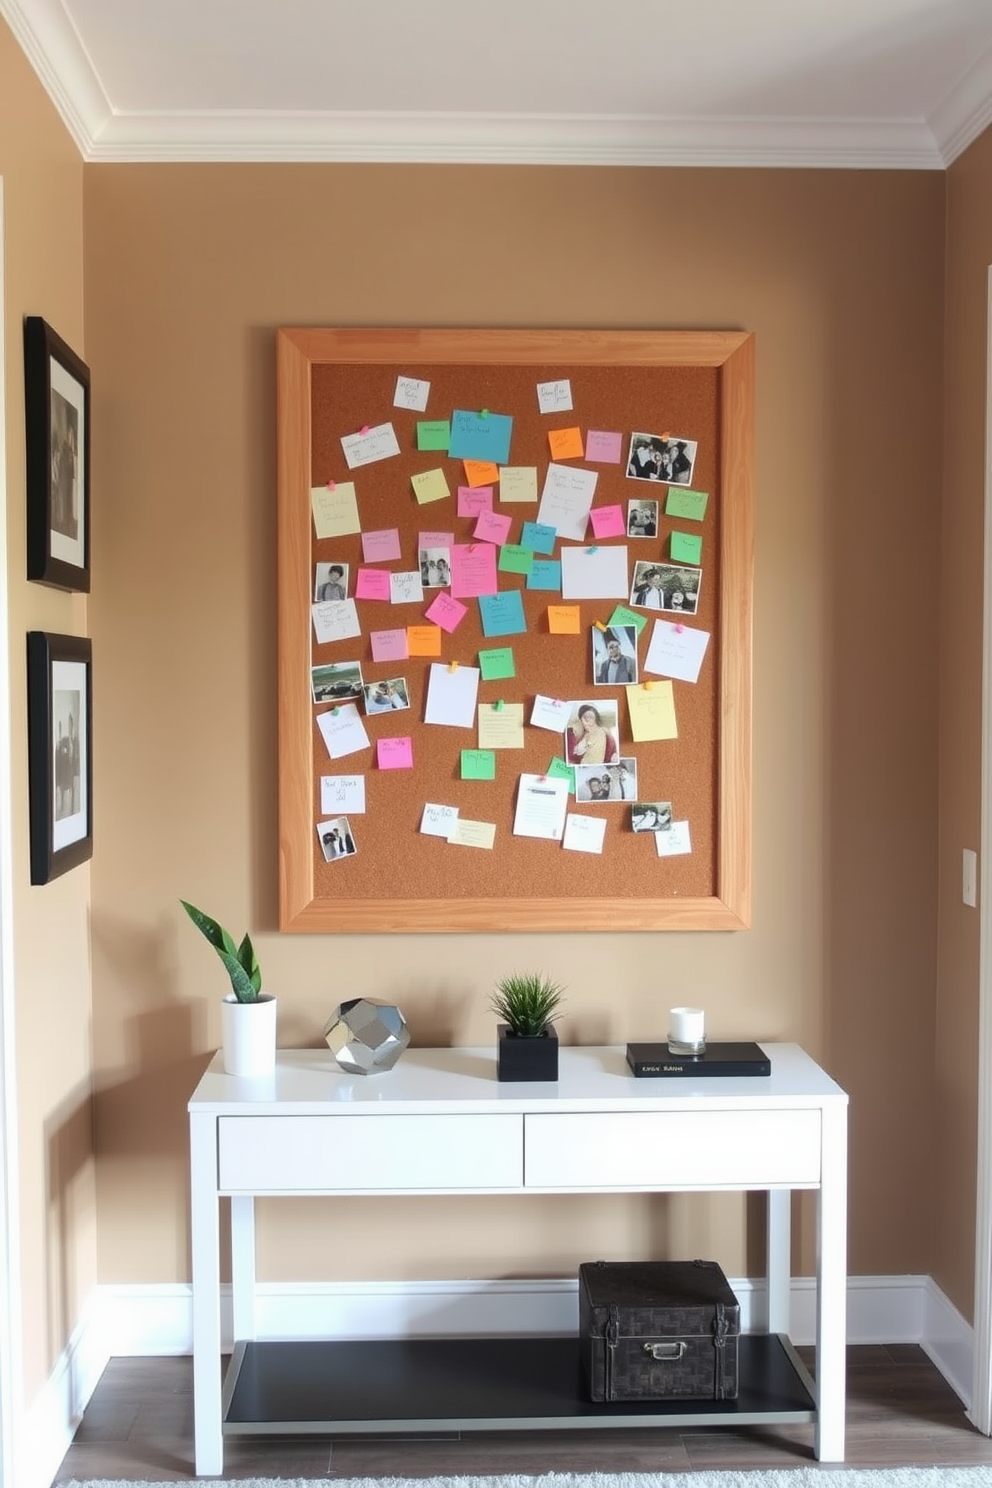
(592, 550)
(599, 625)
(679, 627)
(335, 712)
(647, 686)
(498, 705)
(666, 435)
(452, 666)
(484, 413)
(364, 430)
(332, 485)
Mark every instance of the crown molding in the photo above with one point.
(55, 51)
(960, 118)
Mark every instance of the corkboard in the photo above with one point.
(698, 386)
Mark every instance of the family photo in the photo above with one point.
(661, 457)
(665, 586)
(614, 655)
(330, 582)
(592, 734)
(336, 840)
(642, 518)
(651, 816)
(336, 682)
(606, 785)
(383, 697)
(435, 568)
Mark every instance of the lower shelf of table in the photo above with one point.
(478, 1384)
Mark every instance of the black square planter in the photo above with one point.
(521, 1058)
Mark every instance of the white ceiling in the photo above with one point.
(869, 83)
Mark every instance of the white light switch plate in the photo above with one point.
(969, 877)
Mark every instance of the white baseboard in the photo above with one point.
(136, 1320)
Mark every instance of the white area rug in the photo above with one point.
(798, 1477)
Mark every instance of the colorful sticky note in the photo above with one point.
(686, 547)
(474, 834)
(502, 614)
(685, 503)
(435, 539)
(564, 620)
(474, 499)
(382, 546)
(389, 645)
(447, 612)
(433, 434)
(481, 472)
(514, 558)
(603, 447)
(423, 640)
(394, 754)
(335, 513)
(559, 769)
(501, 725)
(429, 485)
(607, 521)
(475, 436)
(518, 483)
(496, 663)
(473, 570)
(492, 527)
(538, 537)
(622, 616)
(545, 574)
(652, 712)
(478, 764)
(565, 444)
(372, 583)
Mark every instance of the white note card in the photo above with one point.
(554, 397)
(411, 392)
(342, 730)
(541, 805)
(375, 444)
(584, 833)
(342, 795)
(675, 842)
(335, 620)
(594, 573)
(550, 713)
(451, 695)
(566, 500)
(676, 650)
(438, 820)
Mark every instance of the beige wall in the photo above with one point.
(189, 270)
(43, 204)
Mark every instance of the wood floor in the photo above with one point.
(901, 1413)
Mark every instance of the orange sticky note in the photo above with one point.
(423, 640)
(566, 444)
(481, 472)
(563, 619)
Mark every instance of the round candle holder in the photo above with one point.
(687, 1048)
(687, 1032)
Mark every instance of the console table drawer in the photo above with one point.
(668, 1149)
(368, 1154)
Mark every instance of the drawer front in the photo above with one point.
(368, 1154)
(673, 1149)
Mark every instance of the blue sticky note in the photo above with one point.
(476, 438)
(539, 537)
(546, 574)
(502, 614)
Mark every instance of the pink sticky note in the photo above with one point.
(492, 527)
(436, 539)
(394, 754)
(389, 645)
(380, 547)
(474, 499)
(373, 583)
(447, 612)
(473, 570)
(603, 447)
(607, 521)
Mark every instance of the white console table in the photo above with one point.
(440, 1123)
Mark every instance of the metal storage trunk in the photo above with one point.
(658, 1330)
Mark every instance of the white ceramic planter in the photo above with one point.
(249, 1035)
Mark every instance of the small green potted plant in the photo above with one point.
(248, 1015)
(527, 1005)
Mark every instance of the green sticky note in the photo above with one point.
(686, 548)
(622, 616)
(433, 434)
(559, 770)
(515, 559)
(478, 764)
(690, 504)
(497, 663)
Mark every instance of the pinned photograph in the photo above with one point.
(383, 697)
(666, 586)
(337, 682)
(592, 734)
(330, 582)
(614, 655)
(606, 784)
(335, 839)
(661, 457)
(651, 816)
(642, 519)
(435, 568)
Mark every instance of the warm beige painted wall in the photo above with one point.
(43, 201)
(189, 270)
(969, 255)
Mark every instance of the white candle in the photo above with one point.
(686, 1025)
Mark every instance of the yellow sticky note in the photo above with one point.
(564, 620)
(652, 712)
(566, 444)
(424, 640)
(335, 513)
(429, 485)
(501, 728)
(518, 483)
(481, 472)
(472, 833)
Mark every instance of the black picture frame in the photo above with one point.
(57, 459)
(60, 753)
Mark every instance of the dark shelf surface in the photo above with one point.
(484, 1384)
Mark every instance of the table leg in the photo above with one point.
(779, 1260)
(243, 1266)
(205, 1232)
(831, 1287)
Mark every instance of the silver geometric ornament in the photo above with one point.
(366, 1037)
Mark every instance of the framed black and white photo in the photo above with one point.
(60, 752)
(57, 431)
